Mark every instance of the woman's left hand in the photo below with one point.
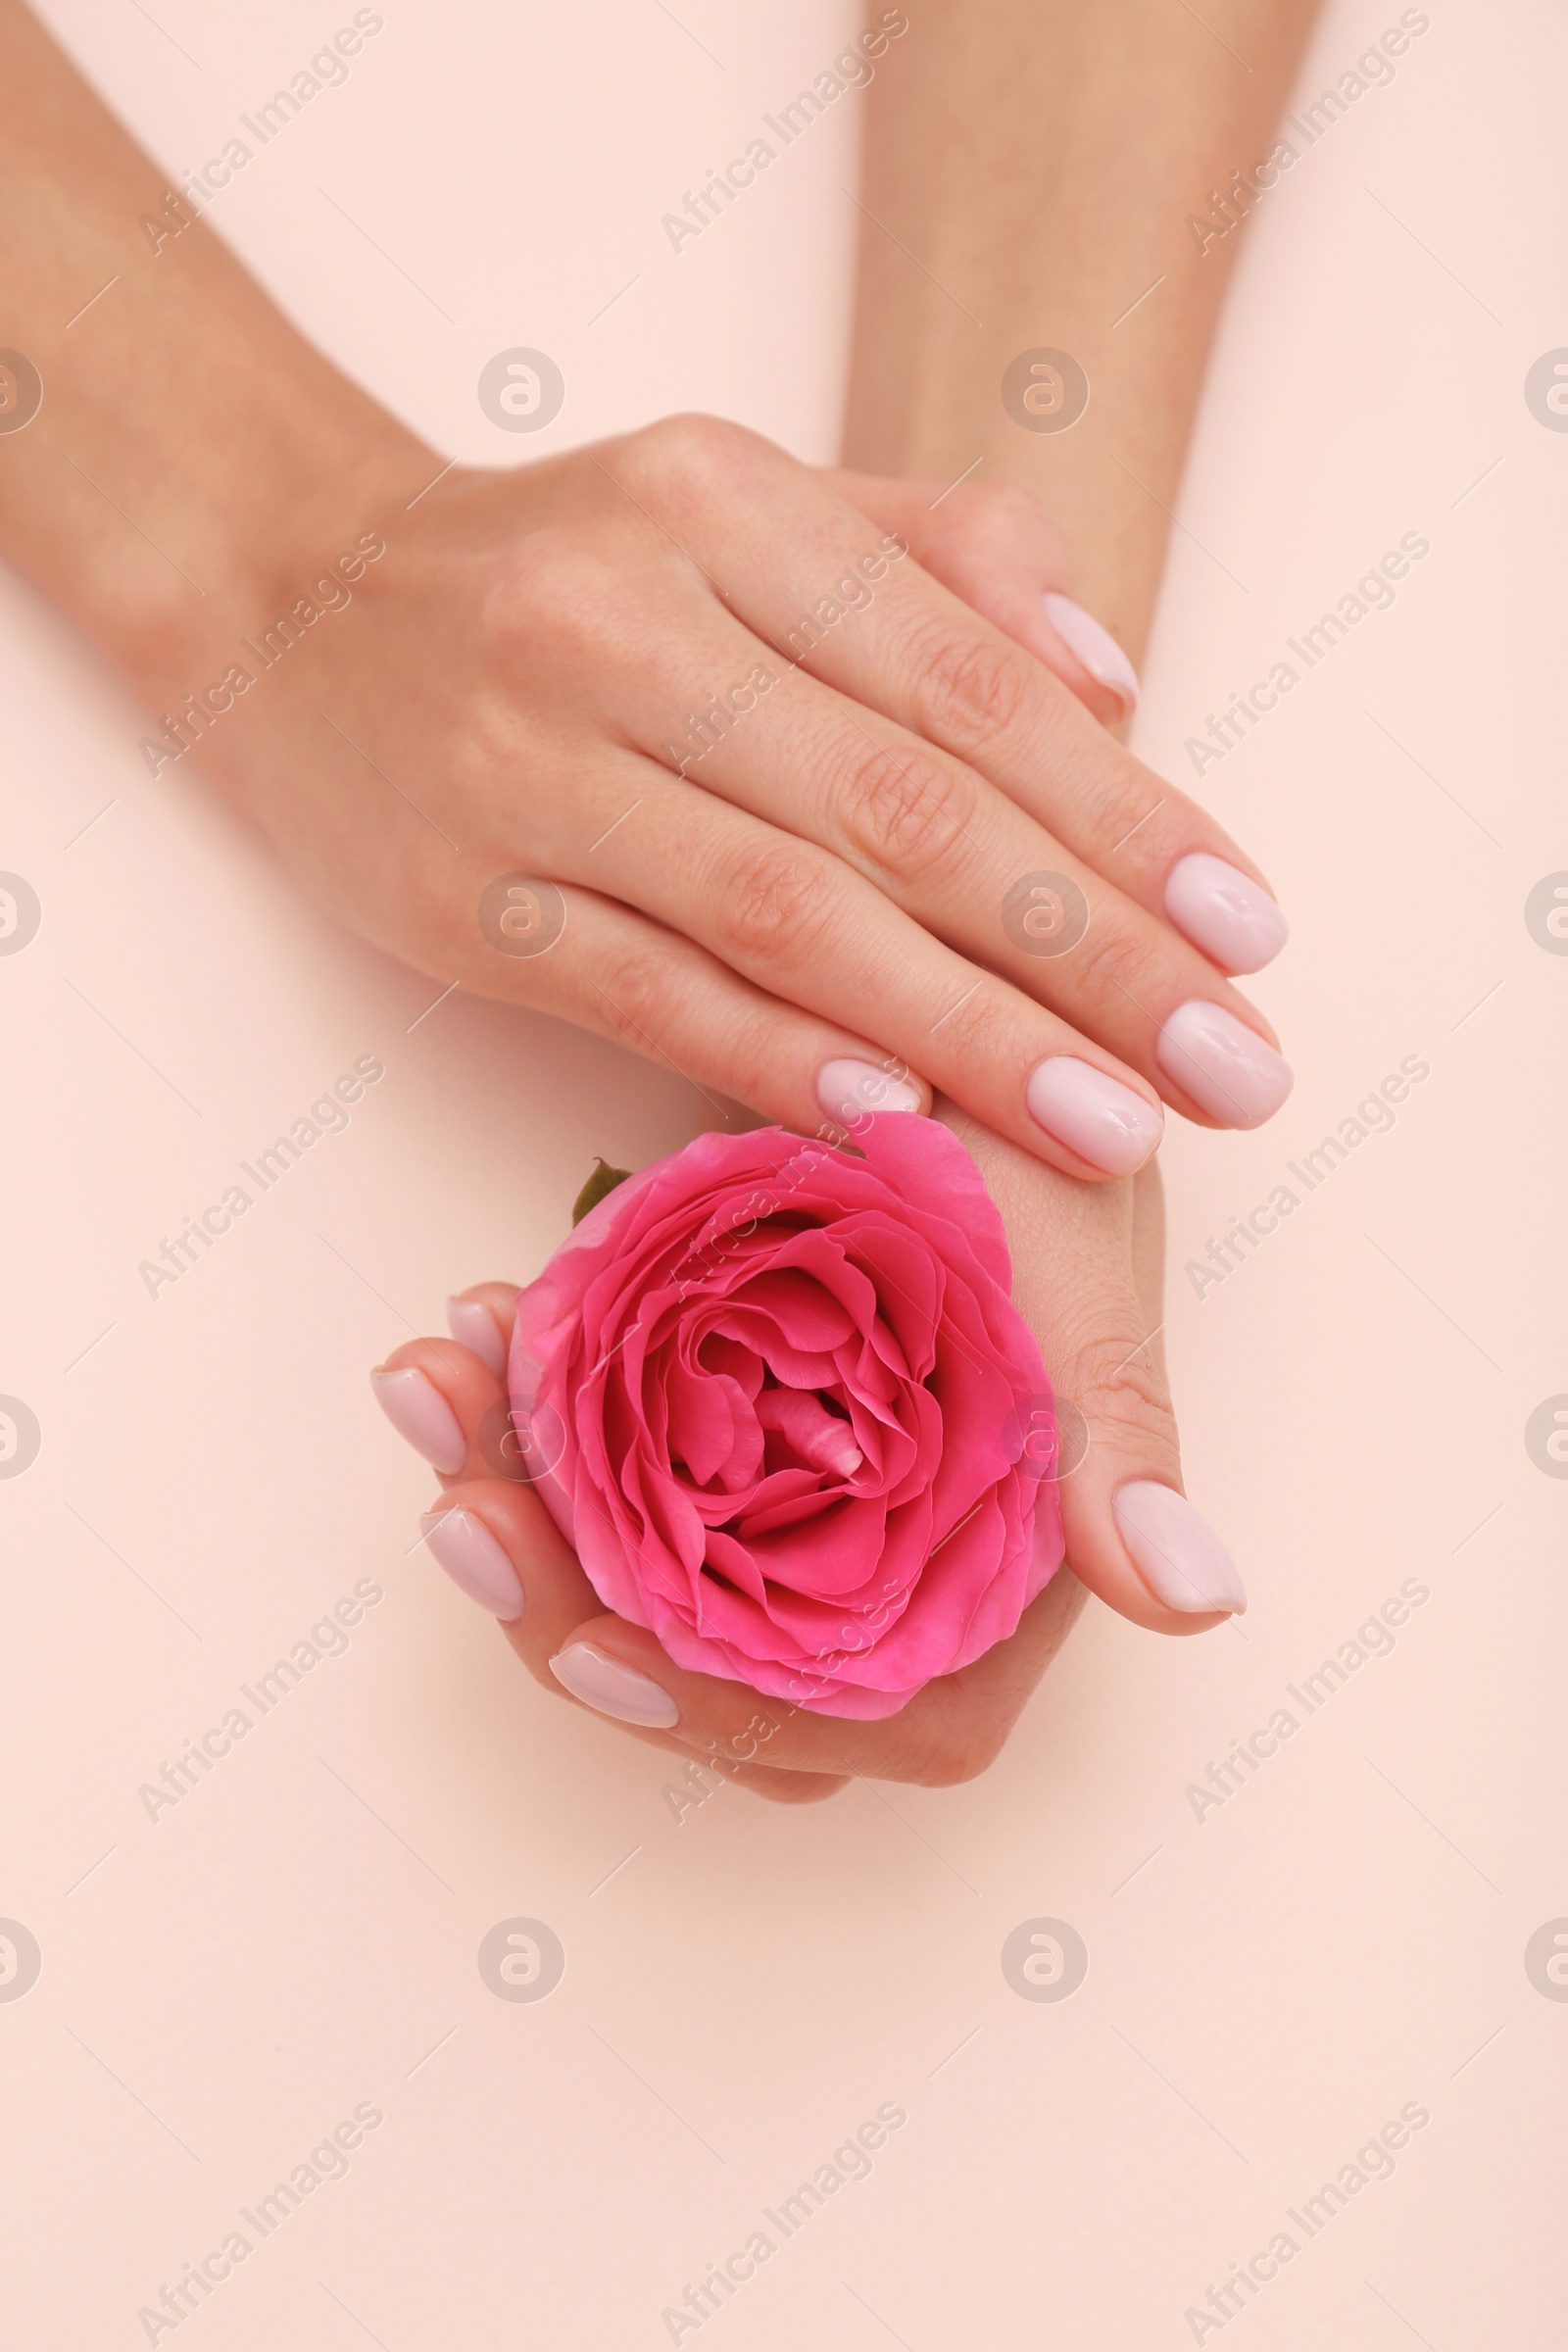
(1086, 1275)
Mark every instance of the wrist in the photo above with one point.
(281, 493)
(193, 456)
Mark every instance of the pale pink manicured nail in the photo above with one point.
(1095, 648)
(417, 1411)
(1103, 1121)
(460, 1542)
(1176, 1551)
(847, 1089)
(1225, 1067)
(473, 1325)
(614, 1689)
(1224, 912)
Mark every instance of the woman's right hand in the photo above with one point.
(668, 737)
(820, 824)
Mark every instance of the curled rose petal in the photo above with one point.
(800, 1431)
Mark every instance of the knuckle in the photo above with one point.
(1115, 963)
(774, 903)
(760, 1054)
(970, 685)
(1118, 1387)
(1116, 792)
(638, 999)
(1004, 516)
(685, 457)
(906, 811)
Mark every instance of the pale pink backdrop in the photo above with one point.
(1271, 1979)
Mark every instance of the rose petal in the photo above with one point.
(790, 1390)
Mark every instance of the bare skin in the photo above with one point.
(478, 688)
(418, 686)
(1066, 1239)
(1039, 160)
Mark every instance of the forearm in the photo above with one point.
(192, 450)
(1030, 167)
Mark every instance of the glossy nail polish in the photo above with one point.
(417, 1411)
(1225, 1067)
(1093, 1115)
(848, 1090)
(1094, 645)
(1176, 1551)
(460, 1542)
(473, 1325)
(614, 1689)
(1225, 913)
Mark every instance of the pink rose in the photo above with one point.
(780, 1400)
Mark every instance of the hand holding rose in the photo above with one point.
(1087, 1283)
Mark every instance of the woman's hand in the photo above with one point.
(1087, 1274)
(668, 737)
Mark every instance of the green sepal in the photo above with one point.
(604, 1180)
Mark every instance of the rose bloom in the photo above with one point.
(777, 1397)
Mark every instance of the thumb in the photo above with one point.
(1087, 1266)
(1133, 1537)
(995, 545)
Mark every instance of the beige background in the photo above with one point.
(1267, 1986)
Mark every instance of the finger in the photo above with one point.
(496, 1540)
(450, 1404)
(795, 920)
(1131, 1536)
(497, 1543)
(971, 866)
(949, 1732)
(993, 545)
(884, 631)
(499, 1546)
(658, 991)
(481, 1319)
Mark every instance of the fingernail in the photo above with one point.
(1176, 1551)
(473, 1325)
(460, 1542)
(847, 1089)
(1223, 911)
(417, 1411)
(1225, 1067)
(614, 1689)
(1094, 1115)
(1095, 648)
